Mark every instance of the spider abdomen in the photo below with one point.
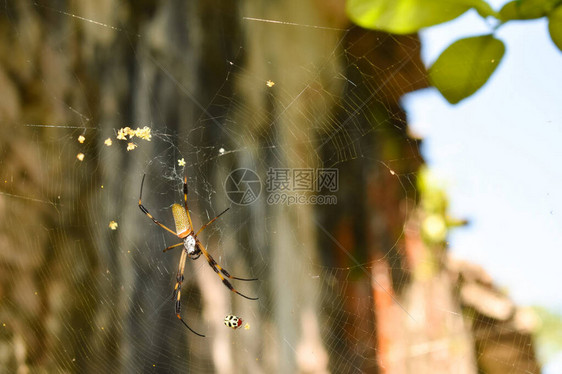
(183, 227)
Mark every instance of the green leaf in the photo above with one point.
(526, 9)
(409, 16)
(484, 9)
(555, 26)
(465, 66)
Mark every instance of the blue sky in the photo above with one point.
(500, 155)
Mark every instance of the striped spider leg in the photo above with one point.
(192, 248)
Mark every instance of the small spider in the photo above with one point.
(192, 248)
(232, 321)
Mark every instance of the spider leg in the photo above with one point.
(172, 246)
(179, 275)
(218, 269)
(211, 221)
(145, 211)
(221, 269)
(185, 191)
(177, 291)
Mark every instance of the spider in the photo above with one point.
(232, 321)
(192, 248)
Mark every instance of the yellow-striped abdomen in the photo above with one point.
(180, 218)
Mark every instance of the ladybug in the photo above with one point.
(232, 321)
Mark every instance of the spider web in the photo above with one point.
(126, 281)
